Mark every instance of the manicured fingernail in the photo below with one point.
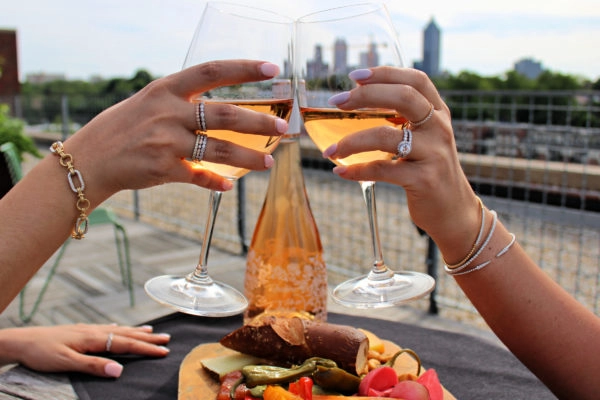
(269, 69)
(269, 161)
(147, 328)
(360, 74)
(166, 335)
(166, 349)
(226, 185)
(339, 98)
(281, 125)
(113, 369)
(340, 169)
(330, 150)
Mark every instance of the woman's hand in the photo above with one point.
(75, 348)
(439, 196)
(142, 141)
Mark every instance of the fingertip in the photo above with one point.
(113, 369)
(269, 69)
(281, 125)
(339, 98)
(330, 151)
(360, 74)
(226, 185)
(269, 161)
(339, 169)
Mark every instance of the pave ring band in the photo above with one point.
(200, 117)
(405, 145)
(427, 118)
(109, 341)
(201, 137)
(199, 146)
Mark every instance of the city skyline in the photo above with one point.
(114, 39)
(319, 67)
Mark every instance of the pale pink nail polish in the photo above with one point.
(360, 74)
(113, 369)
(330, 150)
(339, 98)
(269, 161)
(269, 69)
(340, 169)
(226, 185)
(281, 125)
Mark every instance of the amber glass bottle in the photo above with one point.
(285, 270)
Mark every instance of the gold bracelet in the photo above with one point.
(82, 204)
(479, 236)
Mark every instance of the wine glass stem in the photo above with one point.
(200, 274)
(379, 270)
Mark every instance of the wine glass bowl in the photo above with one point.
(228, 31)
(280, 107)
(329, 126)
(329, 45)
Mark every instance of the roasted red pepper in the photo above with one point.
(302, 387)
(228, 384)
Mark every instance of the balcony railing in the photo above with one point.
(532, 156)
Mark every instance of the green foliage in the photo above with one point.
(512, 80)
(41, 102)
(11, 130)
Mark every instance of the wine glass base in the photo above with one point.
(207, 300)
(402, 288)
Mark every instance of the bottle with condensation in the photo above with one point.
(285, 269)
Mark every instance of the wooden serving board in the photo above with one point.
(195, 383)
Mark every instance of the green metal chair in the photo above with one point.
(11, 156)
(100, 215)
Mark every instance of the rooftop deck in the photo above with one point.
(87, 286)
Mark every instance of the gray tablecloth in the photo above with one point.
(468, 367)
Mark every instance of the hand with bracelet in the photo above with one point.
(138, 143)
(556, 337)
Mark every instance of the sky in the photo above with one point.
(115, 38)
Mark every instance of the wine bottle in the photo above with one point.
(285, 269)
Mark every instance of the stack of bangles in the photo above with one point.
(467, 265)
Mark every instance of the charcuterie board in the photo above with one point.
(195, 383)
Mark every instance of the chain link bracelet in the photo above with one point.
(77, 185)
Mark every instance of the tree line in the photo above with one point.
(42, 102)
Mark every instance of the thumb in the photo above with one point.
(98, 366)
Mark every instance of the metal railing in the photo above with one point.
(532, 156)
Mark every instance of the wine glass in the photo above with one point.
(330, 44)
(230, 31)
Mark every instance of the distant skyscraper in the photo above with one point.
(529, 68)
(431, 49)
(370, 58)
(340, 57)
(316, 68)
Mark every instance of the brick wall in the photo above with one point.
(9, 66)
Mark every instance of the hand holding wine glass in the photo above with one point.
(330, 44)
(230, 32)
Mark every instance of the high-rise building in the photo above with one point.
(529, 68)
(340, 57)
(370, 58)
(431, 49)
(316, 68)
